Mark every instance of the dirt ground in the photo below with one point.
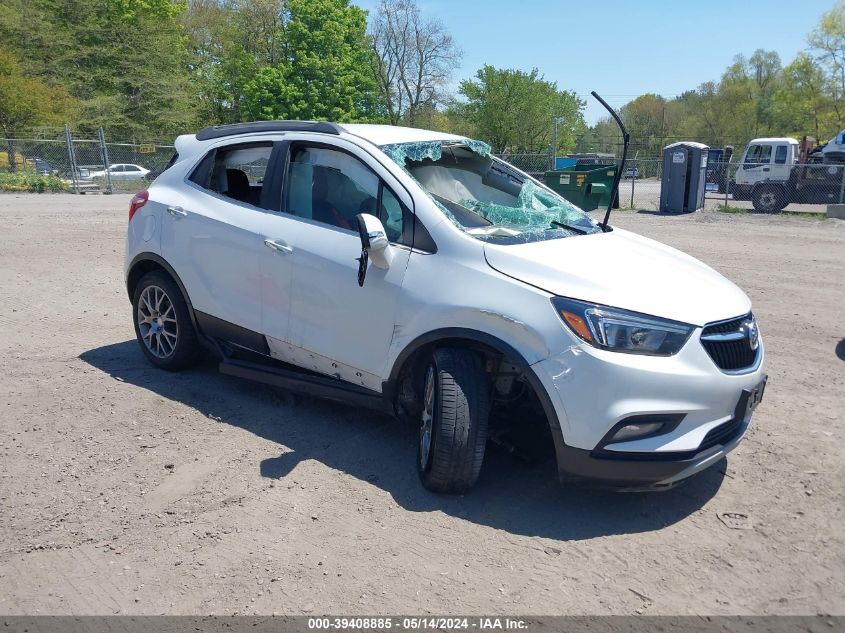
(124, 489)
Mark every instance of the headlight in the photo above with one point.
(620, 330)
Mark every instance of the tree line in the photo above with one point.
(756, 96)
(148, 70)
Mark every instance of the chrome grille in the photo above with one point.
(733, 344)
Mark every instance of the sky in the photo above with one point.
(621, 49)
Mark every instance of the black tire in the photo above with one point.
(768, 199)
(458, 421)
(172, 355)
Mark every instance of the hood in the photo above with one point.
(623, 270)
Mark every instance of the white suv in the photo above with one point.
(413, 272)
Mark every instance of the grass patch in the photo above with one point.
(27, 181)
(807, 215)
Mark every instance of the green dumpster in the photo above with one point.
(586, 186)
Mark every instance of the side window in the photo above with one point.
(751, 154)
(329, 186)
(780, 155)
(235, 171)
(758, 154)
(392, 215)
(132, 168)
(118, 168)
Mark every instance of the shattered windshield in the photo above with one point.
(486, 197)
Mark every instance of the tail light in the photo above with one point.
(138, 201)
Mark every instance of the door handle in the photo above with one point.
(284, 249)
(177, 212)
(765, 169)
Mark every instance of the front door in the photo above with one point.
(335, 327)
(677, 180)
(756, 165)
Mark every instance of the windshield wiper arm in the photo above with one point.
(577, 229)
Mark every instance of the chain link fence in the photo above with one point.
(535, 165)
(739, 187)
(95, 165)
(79, 165)
(731, 186)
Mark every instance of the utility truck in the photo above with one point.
(777, 171)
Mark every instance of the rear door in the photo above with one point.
(782, 160)
(335, 326)
(212, 236)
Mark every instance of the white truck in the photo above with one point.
(779, 170)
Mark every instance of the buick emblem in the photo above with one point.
(750, 329)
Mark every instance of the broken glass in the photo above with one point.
(484, 196)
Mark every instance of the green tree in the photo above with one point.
(224, 55)
(27, 102)
(828, 39)
(800, 105)
(269, 95)
(326, 73)
(126, 61)
(515, 111)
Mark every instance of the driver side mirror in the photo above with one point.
(374, 245)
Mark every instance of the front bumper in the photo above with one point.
(644, 471)
(592, 390)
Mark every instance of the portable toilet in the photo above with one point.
(684, 177)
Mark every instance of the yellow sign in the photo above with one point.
(580, 178)
(147, 148)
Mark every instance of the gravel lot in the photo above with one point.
(128, 490)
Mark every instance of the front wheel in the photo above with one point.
(453, 429)
(769, 199)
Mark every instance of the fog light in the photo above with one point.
(641, 426)
(634, 431)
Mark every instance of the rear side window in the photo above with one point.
(235, 171)
(780, 155)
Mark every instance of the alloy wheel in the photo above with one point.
(157, 322)
(427, 426)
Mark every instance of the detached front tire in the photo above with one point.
(163, 323)
(453, 429)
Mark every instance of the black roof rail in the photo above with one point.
(219, 131)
